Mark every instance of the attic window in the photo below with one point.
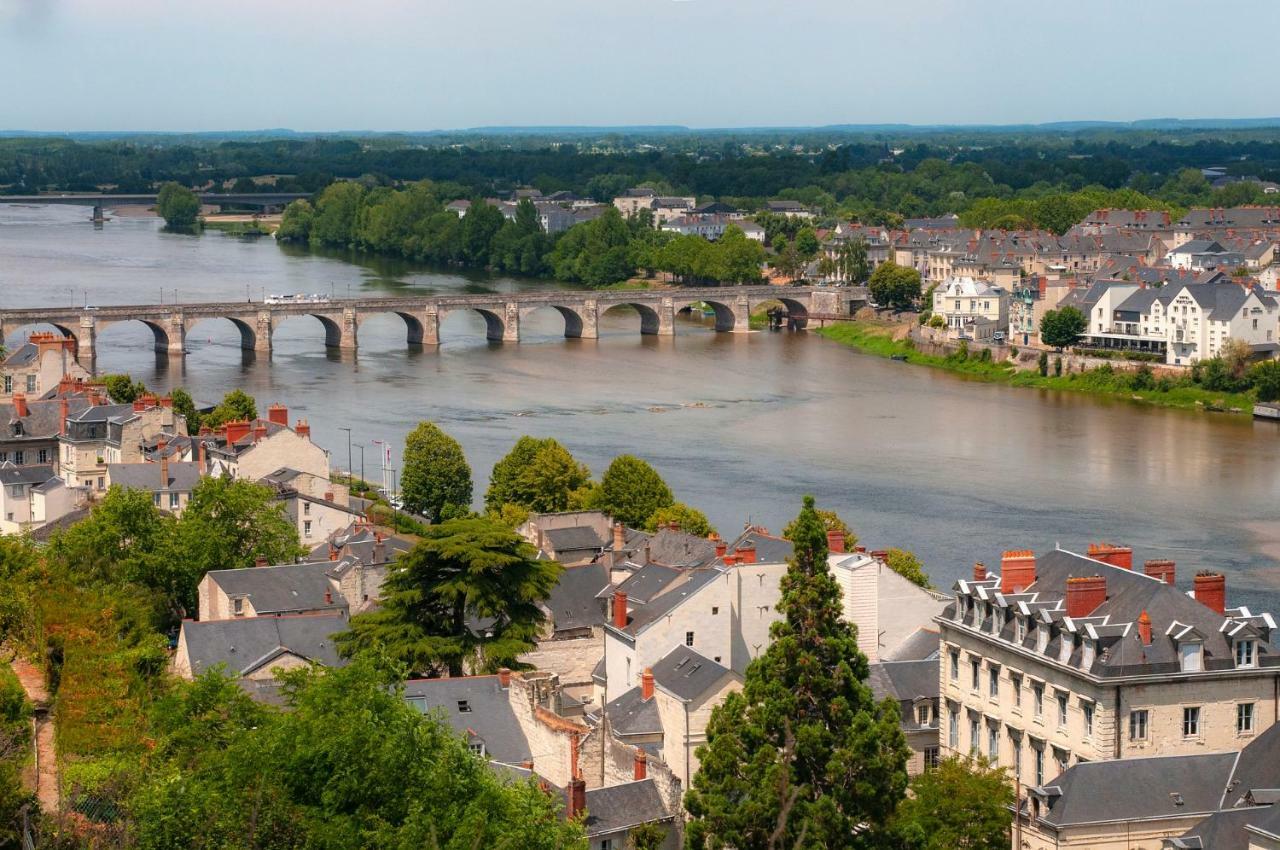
(464, 706)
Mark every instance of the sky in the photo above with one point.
(316, 65)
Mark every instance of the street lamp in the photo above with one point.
(349, 473)
(362, 478)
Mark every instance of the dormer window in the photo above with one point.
(1042, 637)
(1191, 657)
(1064, 649)
(1246, 653)
(1019, 629)
(1086, 655)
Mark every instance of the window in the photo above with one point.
(923, 712)
(1244, 718)
(1062, 709)
(994, 684)
(1015, 685)
(1061, 759)
(1190, 655)
(930, 758)
(976, 669)
(19, 458)
(1244, 653)
(1019, 629)
(306, 528)
(1017, 755)
(31, 383)
(1039, 751)
(101, 483)
(155, 499)
(237, 607)
(606, 844)
(8, 384)
(993, 742)
(975, 733)
(173, 501)
(715, 609)
(306, 509)
(477, 748)
(688, 638)
(42, 456)
(953, 731)
(1191, 721)
(1037, 691)
(1138, 725)
(955, 665)
(464, 706)
(1086, 708)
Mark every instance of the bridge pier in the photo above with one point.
(175, 328)
(261, 333)
(430, 331)
(666, 317)
(590, 313)
(741, 315)
(350, 330)
(86, 342)
(511, 323)
(98, 216)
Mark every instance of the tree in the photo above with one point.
(337, 208)
(831, 521)
(125, 537)
(236, 405)
(537, 475)
(1236, 355)
(1062, 327)
(178, 206)
(689, 520)
(295, 224)
(803, 756)
(349, 763)
(632, 490)
(892, 285)
(123, 389)
(647, 836)
(788, 261)
(907, 565)
(185, 406)
(436, 481)
(806, 243)
(852, 263)
(1265, 377)
(465, 598)
(958, 804)
(1042, 364)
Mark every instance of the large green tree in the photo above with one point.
(235, 405)
(689, 520)
(958, 805)
(436, 481)
(122, 388)
(907, 565)
(538, 475)
(1062, 327)
(892, 285)
(178, 206)
(831, 521)
(465, 598)
(802, 757)
(631, 491)
(348, 764)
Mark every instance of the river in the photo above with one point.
(740, 425)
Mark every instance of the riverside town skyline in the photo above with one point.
(579, 426)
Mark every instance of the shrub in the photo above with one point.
(1043, 364)
(1057, 367)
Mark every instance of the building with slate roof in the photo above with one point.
(914, 686)
(101, 434)
(169, 484)
(1064, 658)
(255, 648)
(39, 366)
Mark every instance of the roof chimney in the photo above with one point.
(721, 548)
(1144, 628)
(278, 414)
(835, 541)
(1085, 594)
(1211, 590)
(166, 401)
(1017, 570)
(646, 684)
(64, 410)
(577, 794)
(619, 537)
(979, 572)
(504, 677)
(303, 429)
(746, 554)
(642, 764)
(259, 430)
(328, 596)
(333, 552)
(139, 405)
(200, 456)
(1116, 556)
(237, 430)
(379, 551)
(620, 609)
(164, 470)
(1161, 569)
(20, 405)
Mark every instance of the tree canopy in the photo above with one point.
(689, 520)
(235, 405)
(464, 599)
(436, 481)
(959, 804)
(178, 206)
(631, 491)
(907, 565)
(538, 475)
(803, 756)
(1062, 327)
(892, 285)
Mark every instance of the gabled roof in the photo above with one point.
(906, 681)
(631, 714)
(643, 615)
(920, 645)
(687, 674)
(282, 589)
(573, 539)
(618, 807)
(11, 474)
(183, 477)
(648, 582)
(476, 707)
(249, 643)
(574, 602)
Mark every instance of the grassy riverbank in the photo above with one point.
(1141, 386)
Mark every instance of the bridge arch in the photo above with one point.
(248, 333)
(574, 321)
(797, 310)
(158, 331)
(494, 325)
(650, 321)
(416, 330)
(13, 335)
(726, 320)
(332, 327)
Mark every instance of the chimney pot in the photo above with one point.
(504, 677)
(979, 572)
(1144, 628)
(746, 554)
(1116, 556)
(642, 764)
(620, 609)
(1017, 570)
(577, 797)
(1211, 591)
(20, 405)
(646, 684)
(619, 537)
(259, 430)
(260, 561)
(1161, 569)
(278, 414)
(835, 541)
(721, 548)
(328, 596)
(237, 430)
(303, 429)
(1085, 594)
(64, 410)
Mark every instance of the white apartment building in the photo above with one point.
(971, 308)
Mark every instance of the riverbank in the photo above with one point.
(878, 338)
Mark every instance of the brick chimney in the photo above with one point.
(1211, 590)
(619, 537)
(979, 572)
(139, 405)
(333, 552)
(1161, 569)
(303, 429)
(642, 764)
(746, 554)
(646, 684)
(620, 609)
(200, 459)
(20, 405)
(328, 596)
(1144, 628)
(577, 794)
(166, 401)
(64, 410)
(1116, 556)
(504, 677)
(237, 430)
(164, 470)
(259, 431)
(1017, 570)
(1085, 594)
(721, 548)
(278, 414)
(835, 541)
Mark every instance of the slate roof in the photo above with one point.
(477, 707)
(23, 354)
(643, 615)
(1222, 831)
(769, 549)
(183, 477)
(648, 582)
(687, 674)
(631, 715)
(618, 807)
(920, 645)
(45, 532)
(678, 549)
(282, 589)
(1258, 768)
(910, 680)
(11, 474)
(41, 421)
(573, 539)
(248, 643)
(574, 602)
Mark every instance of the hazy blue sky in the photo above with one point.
(432, 64)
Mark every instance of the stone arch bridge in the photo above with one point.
(502, 313)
